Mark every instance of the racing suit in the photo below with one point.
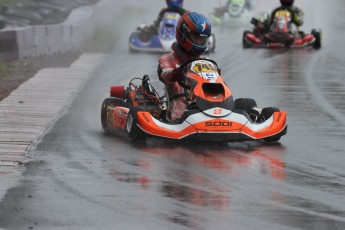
(169, 74)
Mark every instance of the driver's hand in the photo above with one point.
(176, 75)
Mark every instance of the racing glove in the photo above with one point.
(176, 75)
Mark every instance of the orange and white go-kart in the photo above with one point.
(212, 114)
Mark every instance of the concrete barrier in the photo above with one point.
(42, 40)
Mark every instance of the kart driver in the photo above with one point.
(192, 34)
(249, 5)
(297, 13)
(173, 6)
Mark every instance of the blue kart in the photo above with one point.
(148, 40)
(161, 42)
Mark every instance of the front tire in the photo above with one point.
(134, 133)
(318, 38)
(245, 104)
(105, 117)
(248, 105)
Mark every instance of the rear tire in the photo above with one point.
(104, 113)
(134, 133)
(318, 38)
(245, 43)
(131, 50)
(266, 113)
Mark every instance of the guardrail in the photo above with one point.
(40, 40)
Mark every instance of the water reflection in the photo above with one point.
(194, 174)
(141, 180)
(183, 218)
(195, 196)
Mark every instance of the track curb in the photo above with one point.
(28, 113)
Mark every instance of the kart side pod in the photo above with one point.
(117, 91)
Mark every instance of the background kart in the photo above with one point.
(212, 114)
(161, 42)
(234, 15)
(282, 34)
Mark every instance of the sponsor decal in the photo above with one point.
(171, 16)
(217, 111)
(146, 118)
(118, 120)
(218, 123)
(279, 116)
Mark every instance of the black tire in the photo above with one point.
(134, 133)
(318, 38)
(245, 104)
(131, 50)
(245, 43)
(110, 101)
(266, 113)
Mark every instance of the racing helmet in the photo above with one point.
(174, 3)
(286, 2)
(192, 33)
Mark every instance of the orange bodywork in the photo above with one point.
(278, 125)
(145, 121)
(211, 126)
(209, 97)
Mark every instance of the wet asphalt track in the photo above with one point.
(81, 179)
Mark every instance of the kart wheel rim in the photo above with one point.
(129, 123)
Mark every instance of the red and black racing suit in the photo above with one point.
(167, 71)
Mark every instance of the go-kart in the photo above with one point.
(281, 34)
(232, 15)
(212, 114)
(147, 39)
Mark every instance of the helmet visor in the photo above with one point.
(199, 39)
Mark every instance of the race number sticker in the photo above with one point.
(283, 13)
(171, 16)
(205, 69)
